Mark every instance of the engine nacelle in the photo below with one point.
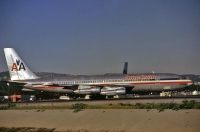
(93, 90)
(113, 91)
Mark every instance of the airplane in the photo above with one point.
(107, 84)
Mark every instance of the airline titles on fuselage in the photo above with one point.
(140, 77)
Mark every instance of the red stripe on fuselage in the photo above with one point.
(178, 82)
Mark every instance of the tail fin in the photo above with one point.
(125, 70)
(17, 68)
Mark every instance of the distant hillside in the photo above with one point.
(194, 78)
(4, 74)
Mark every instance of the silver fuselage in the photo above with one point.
(139, 82)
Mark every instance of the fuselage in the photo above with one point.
(138, 82)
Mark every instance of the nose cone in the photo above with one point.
(190, 82)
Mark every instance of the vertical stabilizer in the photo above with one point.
(125, 70)
(17, 68)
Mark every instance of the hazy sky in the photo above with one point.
(97, 36)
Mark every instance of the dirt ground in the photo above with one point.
(111, 120)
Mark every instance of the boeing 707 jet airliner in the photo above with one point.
(107, 84)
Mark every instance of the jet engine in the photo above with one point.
(87, 90)
(113, 90)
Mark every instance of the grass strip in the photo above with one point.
(81, 106)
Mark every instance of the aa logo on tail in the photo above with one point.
(18, 66)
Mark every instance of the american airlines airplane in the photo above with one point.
(107, 84)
